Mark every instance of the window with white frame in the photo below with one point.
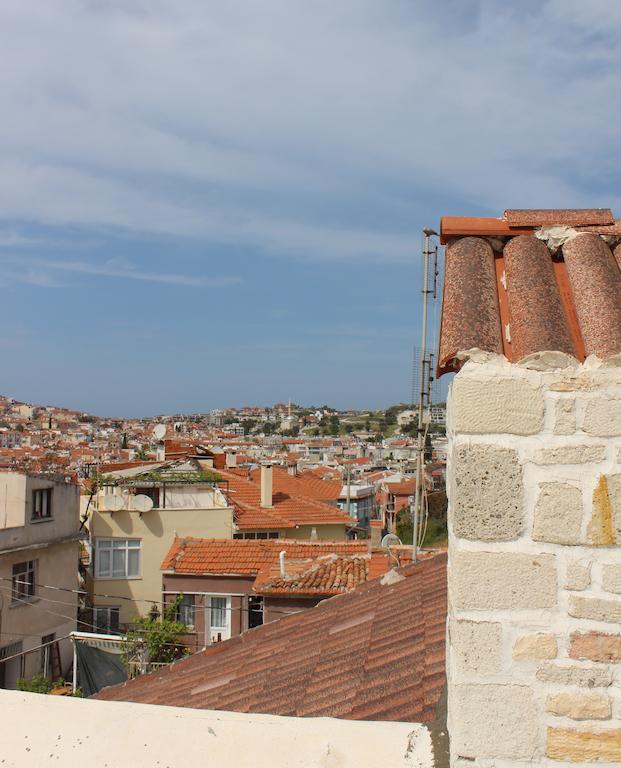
(218, 618)
(106, 619)
(257, 535)
(23, 581)
(117, 558)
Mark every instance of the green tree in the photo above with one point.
(37, 684)
(293, 432)
(404, 525)
(155, 638)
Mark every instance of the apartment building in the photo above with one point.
(133, 518)
(39, 555)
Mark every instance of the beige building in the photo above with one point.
(39, 545)
(133, 520)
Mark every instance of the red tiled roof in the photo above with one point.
(405, 488)
(376, 653)
(247, 556)
(506, 292)
(327, 575)
(291, 504)
(306, 484)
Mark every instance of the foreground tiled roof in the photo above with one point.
(376, 653)
(506, 291)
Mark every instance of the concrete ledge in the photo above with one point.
(40, 730)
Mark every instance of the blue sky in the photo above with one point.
(206, 204)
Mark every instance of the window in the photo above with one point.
(106, 619)
(218, 615)
(185, 612)
(257, 535)
(42, 504)
(255, 611)
(23, 581)
(117, 558)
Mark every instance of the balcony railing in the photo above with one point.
(137, 668)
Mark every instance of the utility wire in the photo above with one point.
(53, 613)
(8, 590)
(36, 648)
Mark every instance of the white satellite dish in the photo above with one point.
(113, 503)
(390, 540)
(142, 503)
(159, 431)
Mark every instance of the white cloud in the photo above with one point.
(245, 122)
(36, 271)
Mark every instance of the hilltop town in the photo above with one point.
(367, 447)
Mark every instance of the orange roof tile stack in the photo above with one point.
(328, 575)
(376, 653)
(507, 292)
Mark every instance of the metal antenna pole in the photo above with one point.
(418, 492)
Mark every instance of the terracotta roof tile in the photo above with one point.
(404, 488)
(512, 295)
(376, 653)
(570, 216)
(247, 556)
(294, 502)
(328, 574)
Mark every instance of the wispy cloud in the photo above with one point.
(258, 135)
(37, 271)
(109, 270)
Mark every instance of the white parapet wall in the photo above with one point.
(41, 730)
(534, 635)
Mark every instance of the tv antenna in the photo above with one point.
(142, 503)
(430, 264)
(390, 540)
(113, 503)
(159, 431)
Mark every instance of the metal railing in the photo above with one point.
(137, 668)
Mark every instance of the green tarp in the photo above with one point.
(98, 668)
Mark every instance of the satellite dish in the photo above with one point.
(142, 503)
(113, 503)
(159, 431)
(390, 540)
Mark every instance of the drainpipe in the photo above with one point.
(74, 682)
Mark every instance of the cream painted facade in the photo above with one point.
(336, 532)
(200, 511)
(51, 544)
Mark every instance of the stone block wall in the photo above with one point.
(534, 631)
